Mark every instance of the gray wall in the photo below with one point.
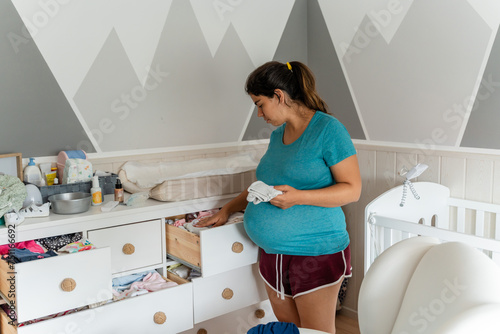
(161, 74)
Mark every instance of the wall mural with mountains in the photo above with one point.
(126, 75)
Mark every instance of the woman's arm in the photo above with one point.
(345, 191)
(238, 203)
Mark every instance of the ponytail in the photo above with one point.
(294, 77)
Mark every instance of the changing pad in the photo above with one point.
(190, 179)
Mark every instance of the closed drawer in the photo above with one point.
(47, 286)
(224, 293)
(132, 246)
(239, 321)
(167, 311)
(216, 250)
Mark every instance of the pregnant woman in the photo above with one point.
(302, 233)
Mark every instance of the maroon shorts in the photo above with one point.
(294, 275)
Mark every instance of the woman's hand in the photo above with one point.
(218, 219)
(289, 198)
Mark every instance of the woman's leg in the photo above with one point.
(285, 310)
(317, 309)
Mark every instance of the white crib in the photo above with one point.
(435, 214)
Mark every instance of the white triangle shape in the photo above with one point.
(489, 10)
(388, 17)
(259, 24)
(73, 34)
(214, 18)
(139, 27)
(344, 17)
(70, 38)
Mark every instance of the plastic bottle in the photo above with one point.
(32, 173)
(118, 191)
(96, 191)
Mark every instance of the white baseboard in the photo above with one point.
(348, 312)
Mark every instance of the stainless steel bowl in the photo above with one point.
(70, 203)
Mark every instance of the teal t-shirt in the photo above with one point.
(305, 164)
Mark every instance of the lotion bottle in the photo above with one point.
(32, 173)
(96, 191)
(119, 191)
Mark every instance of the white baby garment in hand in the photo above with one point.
(260, 192)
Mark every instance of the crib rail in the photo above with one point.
(386, 231)
(438, 215)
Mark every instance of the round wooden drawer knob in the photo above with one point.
(227, 293)
(68, 284)
(237, 247)
(128, 249)
(160, 318)
(260, 313)
(202, 331)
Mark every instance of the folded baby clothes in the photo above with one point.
(77, 246)
(260, 192)
(236, 217)
(30, 245)
(55, 243)
(180, 270)
(191, 227)
(151, 282)
(18, 255)
(124, 282)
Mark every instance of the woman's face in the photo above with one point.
(268, 108)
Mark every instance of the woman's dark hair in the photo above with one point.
(298, 82)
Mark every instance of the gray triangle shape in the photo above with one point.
(37, 119)
(330, 80)
(483, 126)
(292, 46)
(106, 98)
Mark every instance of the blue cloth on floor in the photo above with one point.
(17, 255)
(275, 327)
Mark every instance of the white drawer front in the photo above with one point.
(244, 284)
(225, 248)
(38, 283)
(132, 246)
(239, 321)
(133, 315)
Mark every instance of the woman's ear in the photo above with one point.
(280, 95)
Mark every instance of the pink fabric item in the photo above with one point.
(180, 222)
(151, 282)
(30, 245)
(208, 213)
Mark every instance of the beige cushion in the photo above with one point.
(192, 188)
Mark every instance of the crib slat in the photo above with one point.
(387, 238)
(497, 226)
(460, 219)
(496, 257)
(480, 223)
(405, 235)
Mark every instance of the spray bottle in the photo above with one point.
(96, 191)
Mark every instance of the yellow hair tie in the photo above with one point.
(289, 66)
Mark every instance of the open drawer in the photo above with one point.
(215, 250)
(167, 311)
(55, 284)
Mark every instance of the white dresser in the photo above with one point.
(229, 297)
